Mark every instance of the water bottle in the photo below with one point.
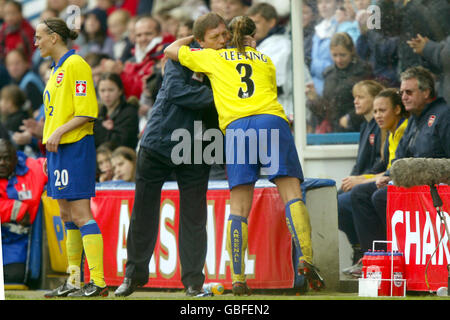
(442, 292)
(215, 288)
(399, 275)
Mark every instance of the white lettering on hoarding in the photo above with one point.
(425, 238)
(168, 243)
(210, 263)
(428, 246)
(124, 223)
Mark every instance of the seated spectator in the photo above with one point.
(93, 36)
(148, 50)
(118, 120)
(334, 110)
(15, 32)
(427, 135)
(28, 81)
(12, 100)
(124, 163)
(271, 39)
(117, 28)
(369, 155)
(22, 181)
(104, 165)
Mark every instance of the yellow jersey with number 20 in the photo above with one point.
(242, 85)
(70, 93)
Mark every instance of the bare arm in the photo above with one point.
(53, 140)
(172, 50)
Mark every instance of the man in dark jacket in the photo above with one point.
(184, 97)
(427, 135)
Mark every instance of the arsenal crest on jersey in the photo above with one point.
(59, 78)
(80, 88)
(431, 120)
(372, 139)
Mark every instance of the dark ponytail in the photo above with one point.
(240, 27)
(58, 26)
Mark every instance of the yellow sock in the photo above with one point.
(74, 247)
(297, 219)
(93, 248)
(237, 239)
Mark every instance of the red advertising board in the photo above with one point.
(269, 254)
(414, 227)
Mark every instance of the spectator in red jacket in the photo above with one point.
(22, 182)
(150, 43)
(16, 32)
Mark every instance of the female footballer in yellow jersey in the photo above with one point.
(70, 109)
(245, 94)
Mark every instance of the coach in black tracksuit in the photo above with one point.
(184, 97)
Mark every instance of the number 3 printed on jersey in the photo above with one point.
(246, 71)
(62, 178)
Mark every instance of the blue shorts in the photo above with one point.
(260, 142)
(71, 170)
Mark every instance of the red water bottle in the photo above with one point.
(398, 287)
(384, 288)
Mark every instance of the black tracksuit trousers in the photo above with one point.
(152, 170)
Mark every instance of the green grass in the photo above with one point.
(152, 294)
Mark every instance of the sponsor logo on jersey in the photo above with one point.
(80, 88)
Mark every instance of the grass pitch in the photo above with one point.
(288, 295)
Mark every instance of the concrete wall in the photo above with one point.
(331, 249)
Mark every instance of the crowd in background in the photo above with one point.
(345, 42)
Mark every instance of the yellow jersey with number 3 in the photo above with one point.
(242, 85)
(70, 93)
